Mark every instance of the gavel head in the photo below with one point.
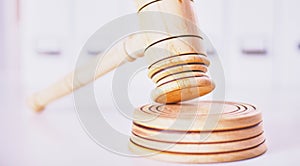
(179, 63)
(178, 60)
(179, 69)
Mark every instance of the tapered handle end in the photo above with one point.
(33, 103)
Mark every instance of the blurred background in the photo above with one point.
(258, 42)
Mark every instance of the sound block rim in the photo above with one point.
(199, 148)
(193, 137)
(198, 158)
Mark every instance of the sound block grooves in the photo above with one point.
(199, 147)
(197, 136)
(185, 134)
(198, 158)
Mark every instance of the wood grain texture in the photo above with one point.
(200, 116)
(180, 75)
(80, 77)
(177, 35)
(199, 158)
(199, 147)
(177, 19)
(182, 89)
(177, 61)
(201, 132)
(177, 69)
(197, 136)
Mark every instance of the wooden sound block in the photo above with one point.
(198, 158)
(201, 116)
(197, 136)
(198, 147)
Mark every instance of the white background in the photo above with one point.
(56, 137)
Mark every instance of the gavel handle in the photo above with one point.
(112, 59)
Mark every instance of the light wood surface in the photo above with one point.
(200, 132)
(174, 70)
(177, 61)
(198, 136)
(182, 90)
(199, 147)
(200, 116)
(184, 50)
(176, 34)
(83, 75)
(198, 158)
(178, 76)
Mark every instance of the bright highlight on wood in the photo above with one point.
(203, 132)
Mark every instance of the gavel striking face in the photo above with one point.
(180, 64)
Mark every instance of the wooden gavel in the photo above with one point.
(178, 59)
